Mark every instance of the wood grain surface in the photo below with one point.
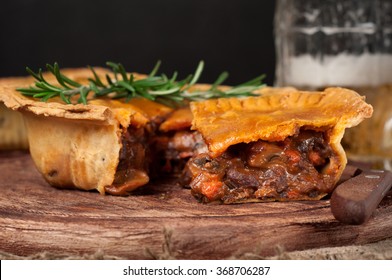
(162, 219)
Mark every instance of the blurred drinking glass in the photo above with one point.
(344, 43)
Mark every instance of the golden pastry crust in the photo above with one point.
(74, 152)
(180, 119)
(275, 116)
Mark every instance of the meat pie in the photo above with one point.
(102, 145)
(279, 146)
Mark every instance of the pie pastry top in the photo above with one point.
(183, 117)
(276, 115)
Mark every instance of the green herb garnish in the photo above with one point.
(158, 88)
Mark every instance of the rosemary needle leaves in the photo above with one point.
(159, 88)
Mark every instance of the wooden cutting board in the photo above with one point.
(162, 220)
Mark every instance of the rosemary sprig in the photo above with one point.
(162, 89)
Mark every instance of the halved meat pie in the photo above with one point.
(279, 146)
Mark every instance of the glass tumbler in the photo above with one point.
(345, 43)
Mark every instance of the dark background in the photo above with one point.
(232, 35)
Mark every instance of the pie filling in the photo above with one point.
(132, 170)
(297, 168)
(294, 169)
(147, 154)
(179, 148)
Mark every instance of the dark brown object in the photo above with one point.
(35, 218)
(354, 201)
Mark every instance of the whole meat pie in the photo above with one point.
(281, 145)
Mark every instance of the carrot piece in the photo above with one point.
(211, 188)
(294, 156)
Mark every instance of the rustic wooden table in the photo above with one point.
(162, 220)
